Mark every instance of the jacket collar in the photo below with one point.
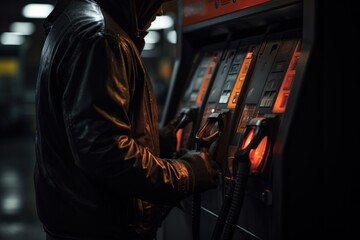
(58, 9)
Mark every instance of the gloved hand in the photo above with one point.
(167, 138)
(181, 152)
(205, 171)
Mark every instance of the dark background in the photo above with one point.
(18, 219)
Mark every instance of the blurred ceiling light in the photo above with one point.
(171, 36)
(11, 204)
(26, 28)
(149, 46)
(10, 38)
(152, 37)
(37, 10)
(162, 22)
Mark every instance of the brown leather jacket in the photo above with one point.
(97, 141)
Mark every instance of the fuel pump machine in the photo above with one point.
(238, 82)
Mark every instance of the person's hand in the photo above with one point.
(181, 152)
(167, 138)
(205, 171)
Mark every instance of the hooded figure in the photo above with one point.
(101, 169)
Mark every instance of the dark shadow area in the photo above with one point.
(18, 219)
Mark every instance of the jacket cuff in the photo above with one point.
(188, 183)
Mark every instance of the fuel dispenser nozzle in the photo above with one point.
(252, 153)
(254, 144)
(209, 134)
(206, 141)
(187, 115)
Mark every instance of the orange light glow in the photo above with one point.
(206, 79)
(199, 10)
(178, 138)
(240, 79)
(257, 155)
(282, 98)
(248, 138)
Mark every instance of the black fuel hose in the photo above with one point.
(238, 196)
(224, 211)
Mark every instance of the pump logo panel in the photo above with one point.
(199, 10)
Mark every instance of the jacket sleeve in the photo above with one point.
(98, 105)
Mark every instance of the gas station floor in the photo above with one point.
(18, 220)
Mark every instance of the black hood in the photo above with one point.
(131, 15)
